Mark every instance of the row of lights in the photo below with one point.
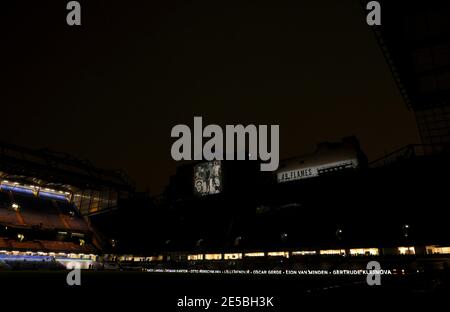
(285, 254)
(284, 236)
(33, 187)
(51, 254)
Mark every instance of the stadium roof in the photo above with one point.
(45, 167)
(415, 40)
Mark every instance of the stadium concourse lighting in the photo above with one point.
(339, 233)
(20, 237)
(405, 230)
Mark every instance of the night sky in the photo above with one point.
(111, 90)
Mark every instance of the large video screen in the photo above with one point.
(208, 178)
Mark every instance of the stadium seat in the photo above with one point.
(8, 216)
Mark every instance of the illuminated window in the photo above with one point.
(254, 254)
(303, 253)
(278, 254)
(232, 256)
(126, 258)
(213, 257)
(340, 252)
(364, 252)
(437, 250)
(406, 250)
(195, 257)
(156, 258)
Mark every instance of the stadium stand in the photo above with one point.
(42, 225)
(4, 243)
(46, 214)
(30, 245)
(47, 200)
(8, 216)
(75, 223)
(55, 246)
(47, 246)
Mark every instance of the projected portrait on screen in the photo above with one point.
(208, 178)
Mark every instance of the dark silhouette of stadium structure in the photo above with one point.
(323, 201)
(397, 200)
(415, 40)
(366, 206)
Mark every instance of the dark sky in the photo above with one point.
(111, 90)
